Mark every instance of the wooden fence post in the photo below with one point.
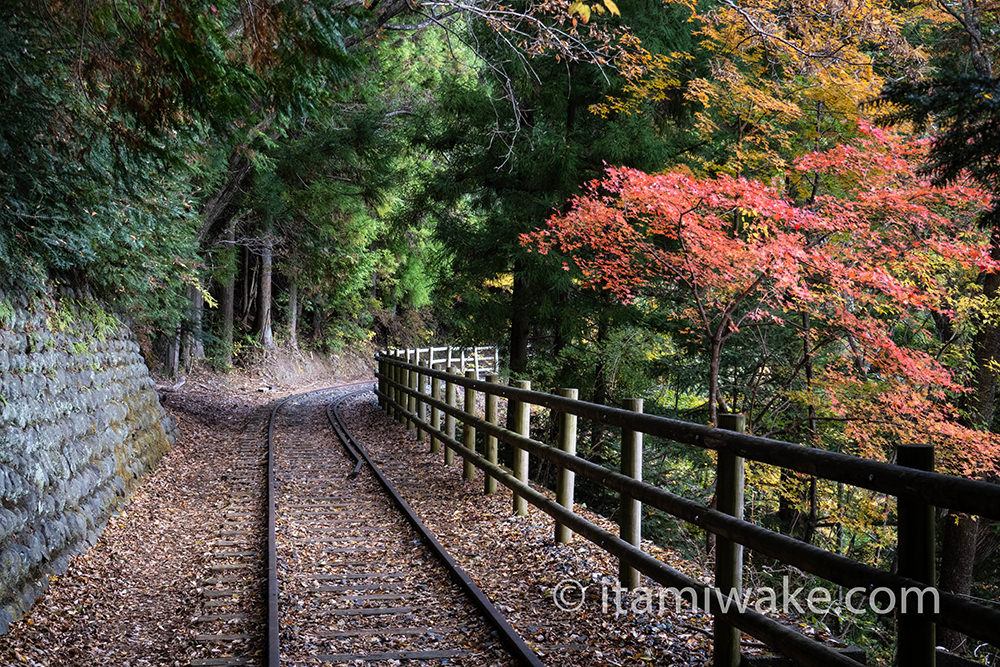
(475, 361)
(411, 401)
(398, 397)
(405, 380)
(521, 412)
(422, 404)
(496, 359)
(380, 360)
(448, 364)
(449, 420)
(469, 431)
(393, 387)
(915, 636)
(461, 367)
(728, 554)
(630, 513)
(437, 391)
(490, 445)
(422, 410)
(565, 479)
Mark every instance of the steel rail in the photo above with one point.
(272, 639)
(342, 433)
(508, 636)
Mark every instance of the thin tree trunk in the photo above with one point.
(219, 208)
(187, 335)
(173, 352)
(227, 299)
(600, 389)
(197, 328)
(249, 270)
(713, 393)
(317, 322)
(293, 315)
(713, 380)
(986, 350)
(787, 515)
(958, 550)
(957, 559)
(810, 527)
(264, 330)
(519, 322)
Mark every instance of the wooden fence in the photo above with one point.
(425, 399)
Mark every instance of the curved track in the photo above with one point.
(353, 575)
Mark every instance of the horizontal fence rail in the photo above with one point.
(955, 493)
(413, 393)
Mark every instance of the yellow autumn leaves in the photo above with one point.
(584, 10)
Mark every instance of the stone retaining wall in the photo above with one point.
(80, 423)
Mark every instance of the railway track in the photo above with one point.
(353, 577)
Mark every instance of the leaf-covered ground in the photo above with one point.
(131, 599)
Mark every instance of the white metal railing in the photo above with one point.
(483, 359)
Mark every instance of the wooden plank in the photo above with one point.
(380, 632)
(233, 554)
(220, 617)
(219, 594)
(340, 540)
(221, 602)
(371, 611)
(357, 575)
(394, 655)
(349, 588)
(370, 597)
(344, 525)
(233, 637)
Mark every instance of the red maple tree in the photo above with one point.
(888, 250)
